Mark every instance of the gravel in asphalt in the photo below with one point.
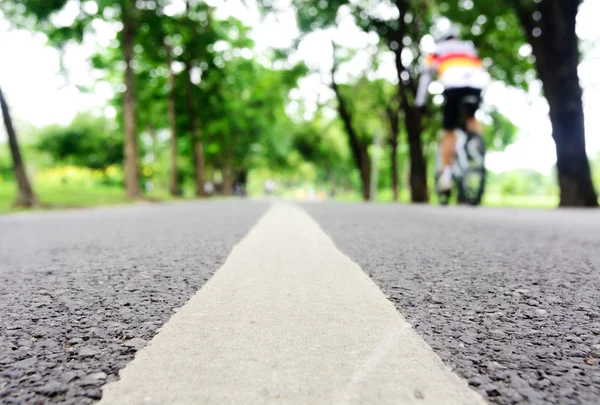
(81, 292)
(289, 320)
(510, 299)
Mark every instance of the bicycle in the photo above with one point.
(468, 164)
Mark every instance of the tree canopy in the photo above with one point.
(197, 105)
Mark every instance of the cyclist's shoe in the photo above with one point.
(445, 181)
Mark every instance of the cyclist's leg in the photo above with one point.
(472, 124)
(448, 142)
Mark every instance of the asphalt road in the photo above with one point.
(81, 291)
(289, 319)
(508, 298)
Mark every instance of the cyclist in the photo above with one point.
(459, 69)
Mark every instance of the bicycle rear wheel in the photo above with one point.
(472, 183)
(472, 186)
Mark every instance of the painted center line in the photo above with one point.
(288, 319)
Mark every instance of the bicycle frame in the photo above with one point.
(460, 163)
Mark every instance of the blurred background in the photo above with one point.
(111, 101)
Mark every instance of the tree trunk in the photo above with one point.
(154, 138)
(365, 173)
(172, 116)
(211, 176)
(406, 93)
(394, 159)
(132, 175)
(394, 121)
(25, 195)
(242, 178)
(574, 178)
(412, 122)
(360, 151)
(401, 170)
(418, 166)
(227, 179)
(199, 159)
(242, 181)
(197, 146)
(555, 47)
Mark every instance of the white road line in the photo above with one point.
(288, 319)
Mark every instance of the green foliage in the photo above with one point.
(6, 169)
(242, 108)
(240, 102)
(323, 142)
(42, 9)
(595, 163)
(367, 100)
(88, 141)
(500, 133)
(25, 12)
(521, 182)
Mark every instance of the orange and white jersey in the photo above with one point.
(457, 64)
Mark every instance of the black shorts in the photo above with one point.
(453, 102)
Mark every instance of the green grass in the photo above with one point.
(490, 199)
(69, 196)
(522, 201)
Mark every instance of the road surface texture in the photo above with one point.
(510, 299)
(80, 292)
(288, 319)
